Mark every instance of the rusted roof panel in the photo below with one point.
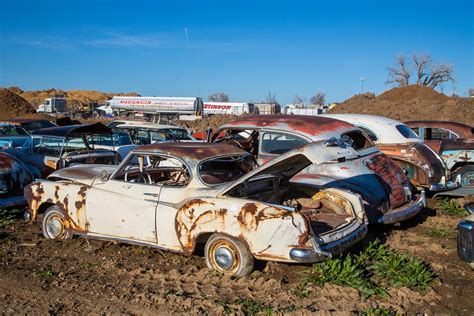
(197, 150)
(310, 125)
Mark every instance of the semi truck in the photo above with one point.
(54, 105)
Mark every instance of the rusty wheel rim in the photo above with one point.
(55, 227)
(224, 257)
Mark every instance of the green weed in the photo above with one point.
(452, 208)
(8, 217)
(251, 307)
(378, 311)
(44, 274)
(438, 233)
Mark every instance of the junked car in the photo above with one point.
(150, 133)
(14, 176)
(423, 166)
(175, 196)
(454, 142)
(386, 191)
(54, 148)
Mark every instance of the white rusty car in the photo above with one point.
(174, 196)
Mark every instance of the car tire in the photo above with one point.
(54, 224)
(228, 255)
(466, 173)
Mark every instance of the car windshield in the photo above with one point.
(11, 130)
(74, 144)
(179, 134)
(225, 169)
(13, 142)
(406, 131)
(116, 139)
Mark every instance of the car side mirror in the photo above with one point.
(103, 176)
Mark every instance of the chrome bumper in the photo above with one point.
(402, 214)
(444, 186)
(319, 252)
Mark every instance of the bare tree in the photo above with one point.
(400, 73)
(218, 97)
(318, 99)
(427, 73)
(298, 100)
(271, 98)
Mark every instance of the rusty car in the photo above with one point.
(454, 142)
(14, 176)
(423, 166)
(387, 193)
(53, 148)
(176, 196)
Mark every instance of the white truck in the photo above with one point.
(154, 106)
(54, 105)
(235, 108)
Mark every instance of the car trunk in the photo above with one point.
(394, 181)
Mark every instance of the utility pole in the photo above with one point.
(362, 79)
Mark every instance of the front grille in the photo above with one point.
(466, 241)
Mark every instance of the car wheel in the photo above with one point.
(466, 175)
(54, 224)
(228, 255)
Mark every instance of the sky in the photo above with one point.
(242, 48)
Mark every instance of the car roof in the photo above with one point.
(464, 130)
(148, 125)
(384, 127)
(71, 130)
(311, 126)
(23, 120)
(192, 150)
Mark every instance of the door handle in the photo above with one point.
(151, 194)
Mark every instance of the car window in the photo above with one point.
(439, 134)
(406, 132)
(225, 169)
(369, 133)
(34, 125)
(48, 146)
(74, 144)
(10, 130)
(154, 170)
(179, 134)
(357, 140)
(277, 143)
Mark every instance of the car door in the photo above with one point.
(44, 153)
(123, 209)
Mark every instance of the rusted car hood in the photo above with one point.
(84, 174)
(292, 162)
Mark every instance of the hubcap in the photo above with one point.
(467, 178)
(224, 258)
(55, 227)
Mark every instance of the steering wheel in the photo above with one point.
(228, 139)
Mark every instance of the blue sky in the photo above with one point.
(243, 48)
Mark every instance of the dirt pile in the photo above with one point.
(201, 125)
(411, 103)
(12, 105)
(76, 98)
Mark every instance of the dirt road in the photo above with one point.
(86, 276)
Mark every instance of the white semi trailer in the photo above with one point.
(234, 108)
(154, 106)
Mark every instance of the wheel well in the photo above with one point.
(200, 241)
(43, 207)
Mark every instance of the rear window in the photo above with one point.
(276, 143)
(357, 140)
(406, 131)
(225, 169)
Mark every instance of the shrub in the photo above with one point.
(452, 208)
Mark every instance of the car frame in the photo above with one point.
(387, 193)
(235, 222)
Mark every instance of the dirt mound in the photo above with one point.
(76, 98)
(12, 105)
(411, 103)
(201, 125)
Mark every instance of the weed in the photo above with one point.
(251, 307)
(438, 233)
(8, 217)
(452, 208)
(369, 271)
(44, 274)
(378, 311)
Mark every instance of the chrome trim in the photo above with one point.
(405, 213)
(449, 185)
(321, 252)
